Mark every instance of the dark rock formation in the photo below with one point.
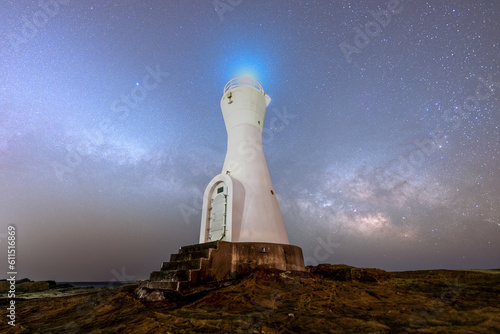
(25, 285)
(342, 272)
(329, 299)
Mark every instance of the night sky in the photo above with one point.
(382, 137)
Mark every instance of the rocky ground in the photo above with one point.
(328, 299)
(26, 289)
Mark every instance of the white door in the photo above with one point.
(218, 209)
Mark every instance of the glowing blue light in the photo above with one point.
(246, 63)
(249, 72)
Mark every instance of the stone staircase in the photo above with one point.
(211, 265)
(183, 269)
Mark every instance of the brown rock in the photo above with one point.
(273, 301)
(25, 286)
(342, 272)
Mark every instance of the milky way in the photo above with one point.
(382, 137)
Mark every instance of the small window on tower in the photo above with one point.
(220, 189)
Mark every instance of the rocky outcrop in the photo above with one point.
(342, 272)
(26, 286)
(330, 299)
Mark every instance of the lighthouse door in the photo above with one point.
(218, 209)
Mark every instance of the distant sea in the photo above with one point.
(97, 285)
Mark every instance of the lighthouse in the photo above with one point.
(241, 224)
(240, 204)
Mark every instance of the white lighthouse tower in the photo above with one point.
(239, 204)
(241, 224)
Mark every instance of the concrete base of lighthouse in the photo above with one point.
(213, 264)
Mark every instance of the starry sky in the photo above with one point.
(382, 137)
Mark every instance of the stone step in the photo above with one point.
(198, 247)
(181, 265)
(183, 268)
(170, 275)
(190, 256)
